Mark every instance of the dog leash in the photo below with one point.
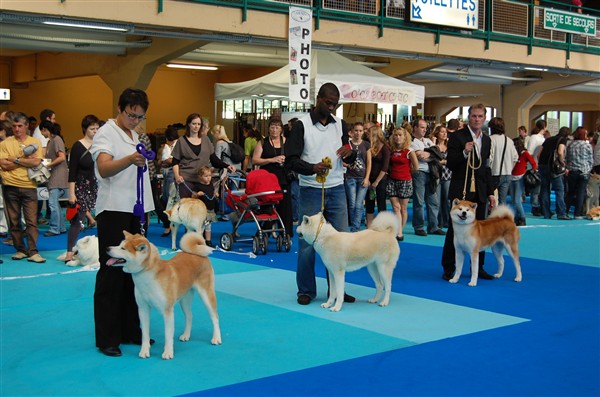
(322, 178)
(138, 208)
(471, 165)
(196, 194)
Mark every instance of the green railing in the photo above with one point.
(509, 21)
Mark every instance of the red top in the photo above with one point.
(400, 165)
(521, 165)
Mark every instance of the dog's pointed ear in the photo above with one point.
(455, 202)
(126, 233)
(142, 248)
(305, 219)
(474, 206)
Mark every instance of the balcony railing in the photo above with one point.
(511, 21)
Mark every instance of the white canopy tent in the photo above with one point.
(357, 83)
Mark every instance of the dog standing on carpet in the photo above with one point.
(189, 212)
(161, 283)
(376, 248)
(85, 253)
(472, 235)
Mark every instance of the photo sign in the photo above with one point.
(461, 14)
(300, 54)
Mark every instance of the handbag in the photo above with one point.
(532, 178)
(558, 168)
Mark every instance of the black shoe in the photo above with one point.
(564, 218)
(536, 211)
(439, 232)
(349, 298)
(485, 275)
(111, 351)
(165, 234)
(3, 235)
(401, 238)
(421, 232)
(448, 275)
(50, 234)
(209, 244)
(304, 299)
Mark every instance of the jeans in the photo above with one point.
(535, 196)
(503, 186)
(577, 191)
(356, 196)
(57, 221)
(295, 189)
(336, 213)
(421, 196)
(559, 189)
(516, 192)
(442, 193)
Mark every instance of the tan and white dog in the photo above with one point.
(85, 253)
(471, 236)
(376, 248)
(189, 212)
(161, 283)
(594, 213)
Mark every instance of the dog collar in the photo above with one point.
(321, 223)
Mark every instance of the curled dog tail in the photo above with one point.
(193, 243)
(386, 222)
(502, 211)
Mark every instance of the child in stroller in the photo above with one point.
(257, 204)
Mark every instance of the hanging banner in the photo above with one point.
(300, 53)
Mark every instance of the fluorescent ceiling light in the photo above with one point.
(196, 67)
(85, 26)
(536, 69)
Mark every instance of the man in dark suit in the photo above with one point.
(469, 140)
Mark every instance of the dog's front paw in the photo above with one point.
(326, 305)
(497, 275)
(384, 303)
(184, 337)
(518, 279)
(167, 354)
(216, 340)
(372, 300)
(336, 308)
(472, 283)
(454, 280)
(144, 352)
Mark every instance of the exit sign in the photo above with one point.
(4, 94)
(569, 22)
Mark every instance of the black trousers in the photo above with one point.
(448, 253)
(115, 309)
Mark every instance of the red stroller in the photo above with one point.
(257, 204)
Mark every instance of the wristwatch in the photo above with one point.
(18, 160)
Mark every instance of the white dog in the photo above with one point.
(85, 253)
(375, 248)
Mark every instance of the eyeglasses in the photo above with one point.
(134, 117)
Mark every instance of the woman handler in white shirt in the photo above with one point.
(117, 161)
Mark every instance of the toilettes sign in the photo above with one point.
(461, 14)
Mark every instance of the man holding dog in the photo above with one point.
(314, 137)
(468, 154)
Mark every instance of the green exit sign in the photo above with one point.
(569, 22)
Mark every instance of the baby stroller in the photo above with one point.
(257, 204)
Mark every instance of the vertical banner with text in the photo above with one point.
(300, 53)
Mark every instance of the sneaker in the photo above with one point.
(564, 218)
(50, 234)
(304, 299)
(18, 256)
(439, 232)
(421, 232)
(37, 258)
(579, 217)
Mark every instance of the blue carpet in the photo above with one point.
(535, 338)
